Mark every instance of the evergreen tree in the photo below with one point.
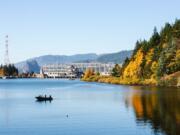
(161, 67)
(166, 33)
(116, 71)
(137, 47)
(10, 70)
(176, 29)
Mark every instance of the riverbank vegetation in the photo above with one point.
(154, 62)
(8, 70)
(11, 71)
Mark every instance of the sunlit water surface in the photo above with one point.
(92, 109)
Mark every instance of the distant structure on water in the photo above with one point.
(75, 70)
(59, 71)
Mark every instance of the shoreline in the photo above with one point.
(107, 80)
(143, 85)
(173, 82)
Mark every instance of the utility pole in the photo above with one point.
(6, 57)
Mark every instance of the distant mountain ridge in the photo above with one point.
(34, 64)
(61, 59)
(28, 66)
(118, 57)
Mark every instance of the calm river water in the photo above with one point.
(92, 109)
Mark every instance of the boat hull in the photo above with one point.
(40, 98)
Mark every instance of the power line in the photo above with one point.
(6, 57)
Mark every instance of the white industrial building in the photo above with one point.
(102, 68)
(59, 71)
(71, 70)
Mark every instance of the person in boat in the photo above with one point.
(44, 98)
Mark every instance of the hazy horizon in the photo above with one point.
(37, 28)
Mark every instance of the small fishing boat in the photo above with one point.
(44, 98)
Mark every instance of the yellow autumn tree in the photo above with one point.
(1, 72)
(89, 72)
(154, 67)
(147, 72)
(133, 70)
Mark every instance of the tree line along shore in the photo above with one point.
(154, 62)
(10, 71)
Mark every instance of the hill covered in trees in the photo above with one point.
(153, 62)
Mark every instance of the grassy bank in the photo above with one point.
(172, 80)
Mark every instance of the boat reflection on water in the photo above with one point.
(156, 107)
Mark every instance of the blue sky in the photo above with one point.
(39, 27)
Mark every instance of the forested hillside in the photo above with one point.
(155, 61)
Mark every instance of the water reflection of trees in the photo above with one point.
(158, 107)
